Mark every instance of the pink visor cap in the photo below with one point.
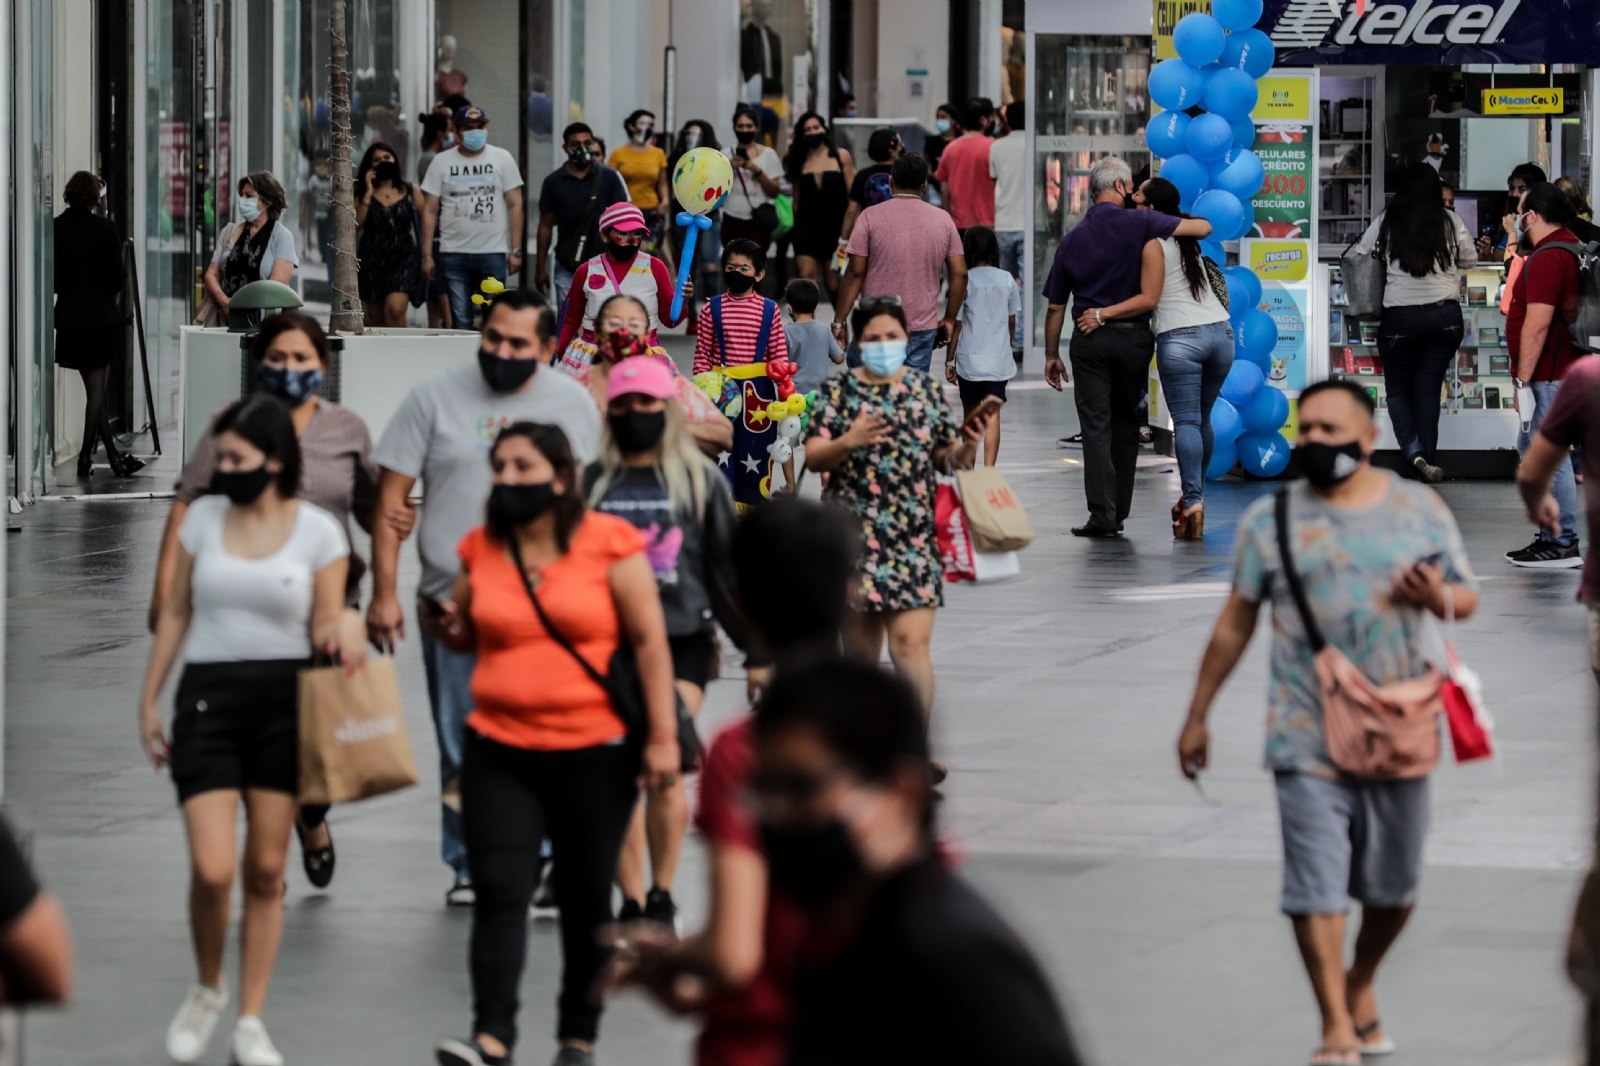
(643, 374)
(624, 216)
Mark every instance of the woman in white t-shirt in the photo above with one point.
(756, 173)
(260, 583)
(1194, 348)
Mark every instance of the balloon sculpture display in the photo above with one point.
(1204, 137)
(701, 182)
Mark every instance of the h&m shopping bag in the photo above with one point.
(996, 518)
(353, 740)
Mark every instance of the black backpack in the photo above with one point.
(1582, 319)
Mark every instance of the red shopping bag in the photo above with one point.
(1471, 728)
(955, 537)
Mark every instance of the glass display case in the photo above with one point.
(1350, 139)
(1091, 101)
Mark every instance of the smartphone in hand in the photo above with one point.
(987, 406)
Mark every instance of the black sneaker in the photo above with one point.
(1548, 555)
(452, 1052)
(1426, 470)
(461, 893)
(1516, 553)
(573, 1056)
(631, 911)
(658, 907)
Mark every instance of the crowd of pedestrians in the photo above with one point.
(583, 526)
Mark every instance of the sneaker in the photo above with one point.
(658, 907)
(1548, 555)
(1516, 553)
(251, 1044)
(461, 893)
(192, 1026)
(1426, 470)
(573, 1056)
(631, 911)
(451, 1052)
(543, 907)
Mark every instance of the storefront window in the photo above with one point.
(778, 42)
(1089, 102)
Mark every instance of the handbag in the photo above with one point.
(208, 314)
(1217, 280)
(1471, 727)
(996, 518)
(621, 683)
(353, 740)
(955, 538)
(1386, 732)
(765, 216)
(1364, 276)
(783, 211)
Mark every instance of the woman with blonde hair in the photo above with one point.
(652, 473)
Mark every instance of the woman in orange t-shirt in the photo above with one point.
(546, 752)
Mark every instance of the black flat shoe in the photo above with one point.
(126, 465)
(318, 862)
(1087, 530)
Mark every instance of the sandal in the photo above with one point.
(318, 862)
(1386, 1046)
(1190, 525)
(1336, 1056)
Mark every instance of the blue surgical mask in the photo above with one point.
(1516, 225)
(249, 208)
(883, 358)
(942, 125)
(291, 386)
(474, 140)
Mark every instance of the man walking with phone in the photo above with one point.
(1372, 553)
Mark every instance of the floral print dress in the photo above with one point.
(891, 486)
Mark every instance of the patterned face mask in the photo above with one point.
(623, 344)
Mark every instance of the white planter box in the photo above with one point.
(375, 371)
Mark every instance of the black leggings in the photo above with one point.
(511, 798)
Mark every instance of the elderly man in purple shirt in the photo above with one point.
(1098, 265)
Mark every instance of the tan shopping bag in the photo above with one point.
(353, 741)
(998, 522)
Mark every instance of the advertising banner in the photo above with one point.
(1287, 304)
(1377, 32)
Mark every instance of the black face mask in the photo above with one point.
(738, 283)
(637, 431)
(745, 136)
(812, 865)
(517, 505)
(814, 140)
(243, 487)
(505, 375)
(1325, 465)
(621, 253)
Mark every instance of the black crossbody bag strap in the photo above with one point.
(555, 634)
(1296, 589)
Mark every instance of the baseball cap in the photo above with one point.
(644, 374)
(470, 113)
(623, 216)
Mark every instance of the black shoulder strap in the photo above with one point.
(588, 214)
(1286, 557)
(555, 634)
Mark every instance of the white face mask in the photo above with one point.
(641, 132)
(249, 208)
(691, 138)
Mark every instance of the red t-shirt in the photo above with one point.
(1547, 278)
(1574, 419)
(749, 1027)
(963, 175)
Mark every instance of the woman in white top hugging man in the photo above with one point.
(259, 586)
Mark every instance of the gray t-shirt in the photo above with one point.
(280, 245)
(442, 434)
(1347, 561)
(813, 350)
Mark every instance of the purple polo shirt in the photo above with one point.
(1097, 262)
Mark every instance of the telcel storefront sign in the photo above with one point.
(1524, 101)
(1324, 32)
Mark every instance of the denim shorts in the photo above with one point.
(1350, 839)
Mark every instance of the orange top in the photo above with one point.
(527, 692)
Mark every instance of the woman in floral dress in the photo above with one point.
(883, 430)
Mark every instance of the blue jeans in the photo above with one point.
(561, 282)
(463, 272)
(1193, 363)
(1564, 488)
(1417, 343)
(450, 695)
(919, 350)
(1012, 244)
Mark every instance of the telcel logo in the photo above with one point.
(1307, 23)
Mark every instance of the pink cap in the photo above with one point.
(643, 374)
(624, 217)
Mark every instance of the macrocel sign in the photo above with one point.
(1321, 32)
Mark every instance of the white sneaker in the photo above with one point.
(251, 1044)
(191, 1027)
